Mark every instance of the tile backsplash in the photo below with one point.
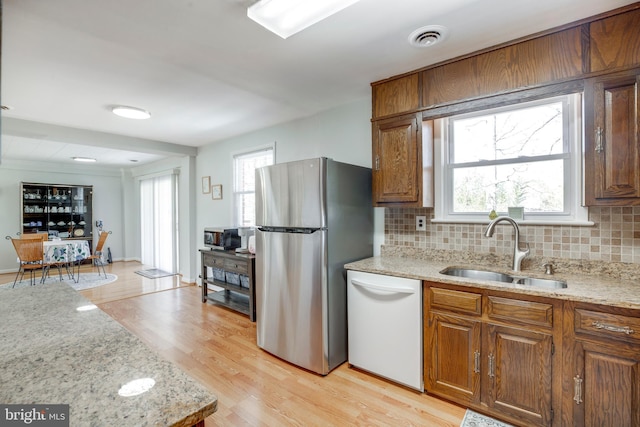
(615, 237)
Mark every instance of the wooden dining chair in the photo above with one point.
(42, 236)
(30, 253)
(96, 258)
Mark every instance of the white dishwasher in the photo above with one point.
(384, 316)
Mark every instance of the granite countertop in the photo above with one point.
(52, 353)
(592, 288)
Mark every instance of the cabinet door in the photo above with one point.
(454, 357)
(399, 95)
(612, 157)
(517, 379)
(615, 41)
(606, 386)
(396, 156)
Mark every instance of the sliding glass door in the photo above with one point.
(158, 222)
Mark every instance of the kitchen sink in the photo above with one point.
(477, 274)
(495, 276)
(541, 283)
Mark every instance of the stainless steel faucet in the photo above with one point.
(518, 255)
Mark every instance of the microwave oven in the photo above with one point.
(221, 238)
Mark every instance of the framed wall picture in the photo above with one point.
(206, 184)
(216, 192)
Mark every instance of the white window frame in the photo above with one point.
(575, 213)
(236, 194)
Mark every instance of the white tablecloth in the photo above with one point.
(56, 251)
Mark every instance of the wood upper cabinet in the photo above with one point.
(615, 42)
(493, 353)
(532, 63)
(396, 96)
(612, 126)
(602, 366)
(396, 159)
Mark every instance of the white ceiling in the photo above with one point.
(206, 72)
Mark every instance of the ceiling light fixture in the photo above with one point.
(84, 159)
(130, 112)
(287, 17)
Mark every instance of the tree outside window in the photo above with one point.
(514, 156)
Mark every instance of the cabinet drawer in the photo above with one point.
(529, 312)
(607, 325)
(447, 299)
(213, 261)
(236, 266)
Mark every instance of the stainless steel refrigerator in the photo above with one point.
(312, 217)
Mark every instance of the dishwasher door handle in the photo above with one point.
(383, 288)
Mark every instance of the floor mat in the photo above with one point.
(473, 419)
(86, 281)
(154, 273)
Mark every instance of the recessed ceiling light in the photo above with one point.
(130, 112)
(84, 159)
(428, 36)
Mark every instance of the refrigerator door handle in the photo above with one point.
(392, 289)
(289, 230)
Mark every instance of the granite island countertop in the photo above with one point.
(597, 289)
(51, 353)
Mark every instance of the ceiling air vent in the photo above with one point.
(428, 36)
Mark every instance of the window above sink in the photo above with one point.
(524, 155)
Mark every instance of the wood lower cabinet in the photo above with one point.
(453, 359)
(494, 352)
(612, 138)
(518, 378)
(602, 366)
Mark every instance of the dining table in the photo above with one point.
(66, 253)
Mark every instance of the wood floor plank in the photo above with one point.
(218, 347)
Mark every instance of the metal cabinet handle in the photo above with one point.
(623, 329)
(599, 140)
(577, 389)
(476, 362)
(492, 366)
(377, 163)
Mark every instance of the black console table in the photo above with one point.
(235, 274)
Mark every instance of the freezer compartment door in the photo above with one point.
(292, 194)
(291, 297)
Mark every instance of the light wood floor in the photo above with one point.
(218, 347)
